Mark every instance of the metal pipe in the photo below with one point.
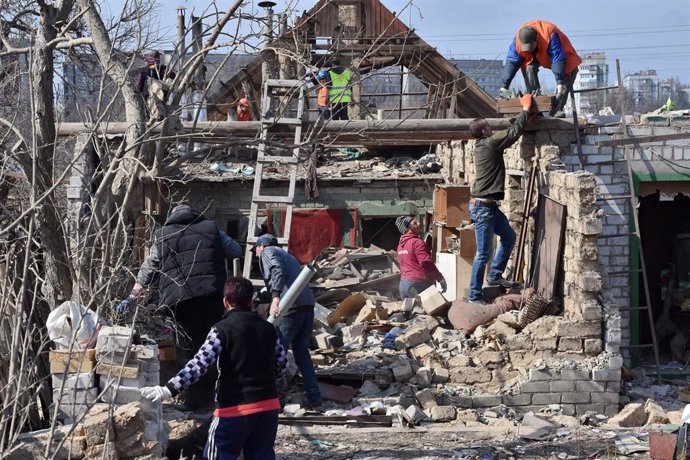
(236, 270)
(294, 291)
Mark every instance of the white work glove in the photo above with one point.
(156, 393)
(504, 93)
(559, 89)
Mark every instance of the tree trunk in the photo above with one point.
(58, 285)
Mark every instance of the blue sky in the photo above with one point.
(642, 34)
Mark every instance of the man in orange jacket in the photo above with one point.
(540, 43)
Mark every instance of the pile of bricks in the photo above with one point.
(75, 387)
(124, 425)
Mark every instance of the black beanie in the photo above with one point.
(403, 222)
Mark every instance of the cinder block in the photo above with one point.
(593, 346)
(546, 398)
(570, 344)
(606, 375)
(534, 387)
(561, 386)
(611, 410)
(486, 400)
(608, 397)
(541, 374)
(615, 362)
(121, 395)
(442, 413)
(574, 374)
(613, 387)
(590, 386)
(79, 397)
(74, 381)
(516, 400)
(426, 398)
(129, 372)
(575, 398)
(582, 408)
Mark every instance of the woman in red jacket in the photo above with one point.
(417, 270)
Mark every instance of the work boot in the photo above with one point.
(504, 283)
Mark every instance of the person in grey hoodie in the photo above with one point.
(279, 269)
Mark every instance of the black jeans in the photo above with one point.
(195, 317)
(339, 111)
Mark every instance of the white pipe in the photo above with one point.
(294, 291)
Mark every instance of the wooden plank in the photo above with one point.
(341, 394)
(358, 420)
(645, 139)
(548, 253)
(514, 106)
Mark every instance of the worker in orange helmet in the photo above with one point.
(243, 113)
(540, 43)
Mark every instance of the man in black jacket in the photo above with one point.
(250, 359)
(487, 190)
(188, 257)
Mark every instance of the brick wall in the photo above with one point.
(609, 168)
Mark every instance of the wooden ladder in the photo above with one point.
(282, 104)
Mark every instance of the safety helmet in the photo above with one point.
(244, 102)
(323, 74)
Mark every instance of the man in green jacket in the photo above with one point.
(339, 92)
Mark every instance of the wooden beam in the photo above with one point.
(645, 139)
(350, 133)
(514, 106)
(352, 420)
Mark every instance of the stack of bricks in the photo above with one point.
(577, 391)
(75, 388)
(123, 369)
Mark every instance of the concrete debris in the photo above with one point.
(632, 415)
(535, 428)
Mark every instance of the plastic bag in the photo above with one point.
(73, 322)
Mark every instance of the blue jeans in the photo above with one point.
(255, 434)
(296, 329)
(489, 220)
(411, 288)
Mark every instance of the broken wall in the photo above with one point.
(655, 161)
(557, 359)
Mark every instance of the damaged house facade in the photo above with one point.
(577, 250)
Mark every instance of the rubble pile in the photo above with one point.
(332, 164)
(513, 352)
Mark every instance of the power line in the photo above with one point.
(503, 34)
(616, 34)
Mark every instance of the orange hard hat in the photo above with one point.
(244, 102)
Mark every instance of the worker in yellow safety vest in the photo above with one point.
(339, 92)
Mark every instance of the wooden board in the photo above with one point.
(451, 204)
(74, 362)
(548, 251)
(514, 106)
(358, 420)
